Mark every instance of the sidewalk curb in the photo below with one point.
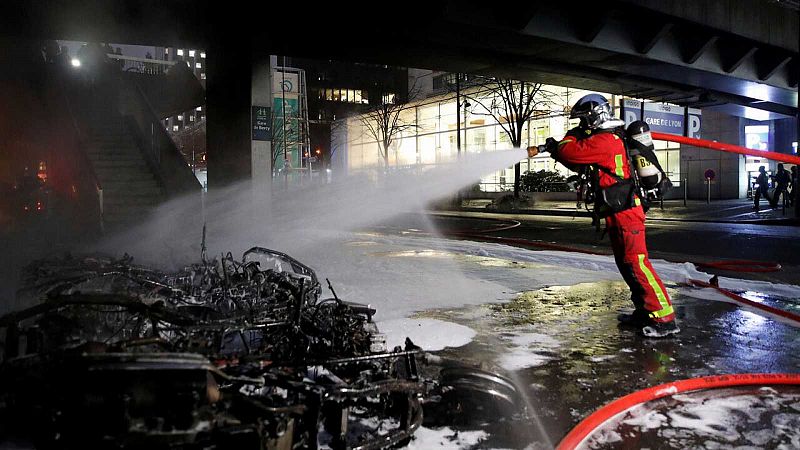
(565, 213)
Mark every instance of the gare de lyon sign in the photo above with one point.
(662, 117)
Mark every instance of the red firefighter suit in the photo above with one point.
(625, 228)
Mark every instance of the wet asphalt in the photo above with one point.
(569, 356)
(581, 359)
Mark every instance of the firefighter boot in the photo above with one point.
(660, 329)
(638, 318)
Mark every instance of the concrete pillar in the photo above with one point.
(237, 81)
(695, 161)
(261, 149)
(228, 97)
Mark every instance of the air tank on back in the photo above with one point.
(641, 148)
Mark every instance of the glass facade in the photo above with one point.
(431, 139)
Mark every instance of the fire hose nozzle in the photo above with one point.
(536, 149)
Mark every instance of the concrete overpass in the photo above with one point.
(738, 56)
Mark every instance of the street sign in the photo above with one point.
(285, 83)
(710, 174)
(664, 118)
(631, 111)
(262, 123)
(693, 122)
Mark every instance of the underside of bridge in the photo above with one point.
(736, 56)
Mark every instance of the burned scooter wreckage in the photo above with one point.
(222, 354)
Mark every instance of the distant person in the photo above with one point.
(92, 57)
(762, 180)
(82, 52)
(63, 57)
(782, 181)
(793, 186)
(50, 51)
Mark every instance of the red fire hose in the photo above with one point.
(584, 429)
(744, 301)
(742, 265)
(726, 147)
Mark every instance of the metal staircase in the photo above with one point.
(130, 189)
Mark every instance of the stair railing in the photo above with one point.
(160, 151)
(82, 164)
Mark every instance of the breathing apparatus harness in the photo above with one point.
(647, 181)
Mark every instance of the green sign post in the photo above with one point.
(287, 109)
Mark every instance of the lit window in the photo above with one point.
(166, 51)
(337, 96)
(388, 99)
(357, 97)
(191, 53)
(328, 94)
(198, 66)
(203, 117)
(180, 117)
(199, 108)
(202, 54)
(174, 128)
(202, 75)
(191, 118)
(180, 52)
(76, 62)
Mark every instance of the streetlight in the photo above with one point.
(75, 62)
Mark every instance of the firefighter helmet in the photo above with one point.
(594, 112)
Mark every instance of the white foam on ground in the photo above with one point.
(719, 416)
(401, 275)
(430, 334)
(601, 358)
(528, 350)
(445, 439)
(410, 284)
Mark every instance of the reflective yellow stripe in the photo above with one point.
(666, 308)
(618, 166)
(637, 202)
(564, 141)
(662, 313)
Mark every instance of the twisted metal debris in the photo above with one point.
(222, 354)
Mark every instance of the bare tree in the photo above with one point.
(511, 103)
(337, 127)
(191, 142)
(283, 139)
(383, 121)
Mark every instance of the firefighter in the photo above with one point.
(599, 142)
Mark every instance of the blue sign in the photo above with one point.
(262, 123)
(693, 123)
(631, 111)
(664, 118)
